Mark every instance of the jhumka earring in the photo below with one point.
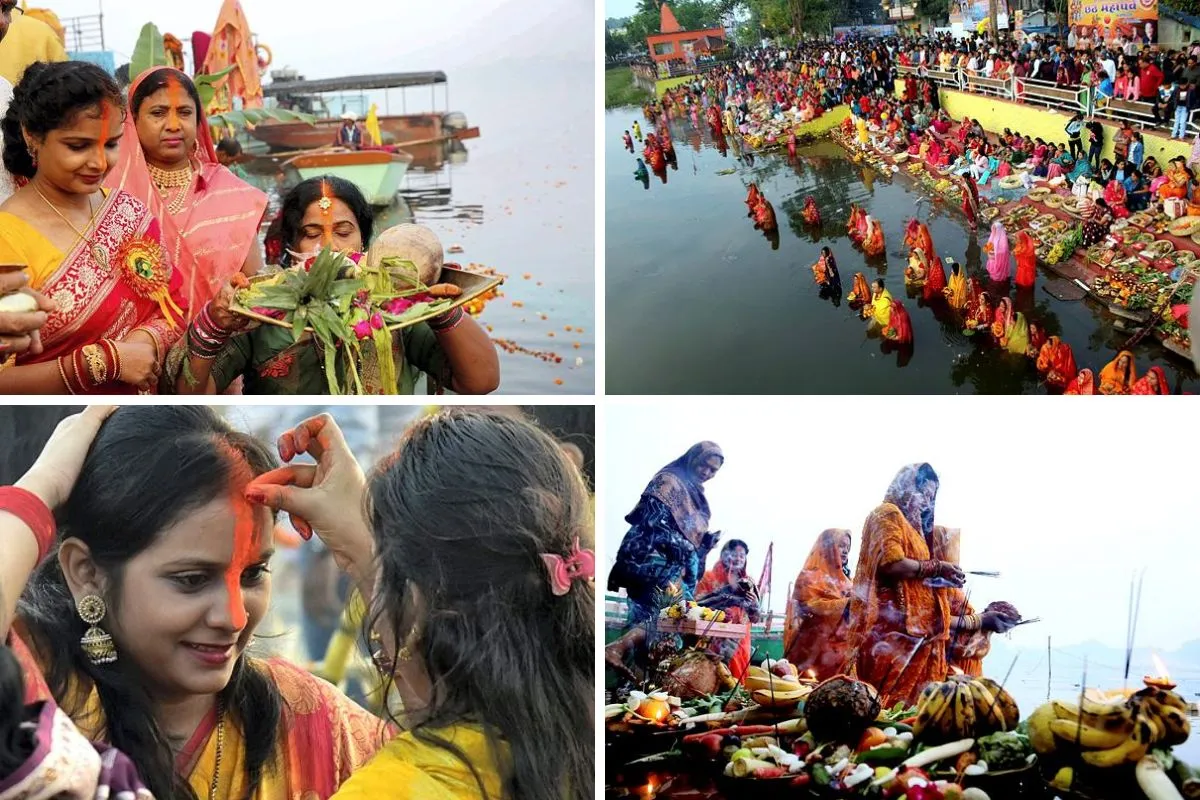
(96, 642)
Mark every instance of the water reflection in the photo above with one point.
(696, 304)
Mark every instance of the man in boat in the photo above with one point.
(229, 150)
(350, 134)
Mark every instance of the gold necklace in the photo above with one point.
(172, 185)
(78, 233)
(216, 778)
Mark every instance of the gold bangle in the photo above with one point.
(8, 362)
(96, 365)
(62, 372)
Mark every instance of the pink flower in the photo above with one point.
(398, 306)
(362, 299)
(355, 257)
(273, 313)
(362, 329)
(377, 321)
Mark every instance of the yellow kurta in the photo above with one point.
(28, 40)
(409, 768)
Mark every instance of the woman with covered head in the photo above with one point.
(139, 615)
(900, 619)
(483, 599)
(729, 587)
(209, 216)
(814, 633)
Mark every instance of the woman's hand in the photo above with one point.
(996, 622)
(19, 329)
(219, 306)
(951, 572)
(53, 475)
(139, 364)
(326, 497)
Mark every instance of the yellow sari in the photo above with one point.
(325, 738)
(956, 290)
(409, 768)
(881, 308)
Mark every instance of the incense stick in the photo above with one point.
(983, 573)
(903, 667)
(1135, 607)
(1003, 683)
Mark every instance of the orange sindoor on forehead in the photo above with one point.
(246, 537)
(326, 204)
(175, 97)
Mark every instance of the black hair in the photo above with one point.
(732, 543)
(16, 743)
(48, 97)
(285, 230)
(158, 80)
(147, 468)
(879, 283)
(462, 514)
(230, 147)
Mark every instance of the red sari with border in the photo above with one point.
(96, 285)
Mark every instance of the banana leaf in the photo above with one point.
(254, 116)
(206, 85)
(148, 52)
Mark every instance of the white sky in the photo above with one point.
(352, 37)
(1065, 499)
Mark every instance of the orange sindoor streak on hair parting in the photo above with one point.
(175, 98)
(326, 214)
(246, 538)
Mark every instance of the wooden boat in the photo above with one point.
(766, 638)
(377, 173)
(424, 134)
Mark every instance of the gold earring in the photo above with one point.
(406, 650)
(96, 642)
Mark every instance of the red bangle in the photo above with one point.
(30, 509)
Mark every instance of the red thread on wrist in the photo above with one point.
(30, 509)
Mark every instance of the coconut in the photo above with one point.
(413, 243)
(693, 674)
(840, 709)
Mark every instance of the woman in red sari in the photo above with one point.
(209, 216)
(752, 197)
(970, 201)
(1153, 382)
(1002, 321)
(856, 225)
(814, 632)
(98, 254)
(1115, 195)
(727, 586)
(811, 214)
(917, 236)
(861, 291)
(935, 280)
(1026, 257)
(1056, 362)
(1037, 338)
(899, 327)
(979, 308)
(1084, 383)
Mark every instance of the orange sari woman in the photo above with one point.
(752, 197)
(1176, 181)
(873, 240)
(861, 293)
(1057, 362)
(1119, 375)
(917, 237)
(814, 632)
(899, 626)
(1026, 258)
(209, 216)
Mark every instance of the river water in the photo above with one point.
(520, 200)
(699, 302)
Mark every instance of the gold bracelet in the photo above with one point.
(96, 364)
(8, 362)
(62, 372)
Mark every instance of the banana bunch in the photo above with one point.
(1114, 733)
(773, 691)
(964, 708)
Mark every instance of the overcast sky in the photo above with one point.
(616, 9)
(1065, 499)
(351, 37)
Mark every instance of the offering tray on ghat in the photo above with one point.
(1039, 193)
(1054, 201)
(1184, 226)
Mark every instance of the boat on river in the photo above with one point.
(377, 173)
(425, 135)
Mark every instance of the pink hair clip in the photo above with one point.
(579, 565)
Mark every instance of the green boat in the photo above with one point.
(766, 637)
(377, 173)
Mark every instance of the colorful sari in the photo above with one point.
(899, 328)
(1018, 336)
(211, 236)
(861, 292)
(1026, 258)
(917, 237)
(814, 632)
(232, 45)
(668, 539)
(410, 769)
(935, 280)
(1084, 383)
(1114, 379)
(326, 736)
(917, 271)
(970, 201)
(898, 629)
(1056, 362)
(811, 214)
(999, 263)
(881, 308)
(979, 312)
(855, 226)
(97, 286)
(1002, 321)
(1143, 384)
(956, 290)
(873, 241)
(965, 649)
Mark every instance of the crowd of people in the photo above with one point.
(137, 570)
(124, 236)
(898, 620)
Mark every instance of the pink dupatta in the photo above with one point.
(209, 240)
(999, 263)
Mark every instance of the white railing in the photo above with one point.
(998, 87)
(1046, 93)
(1124, 110)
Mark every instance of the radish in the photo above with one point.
(1153, 780)
(939, 753)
